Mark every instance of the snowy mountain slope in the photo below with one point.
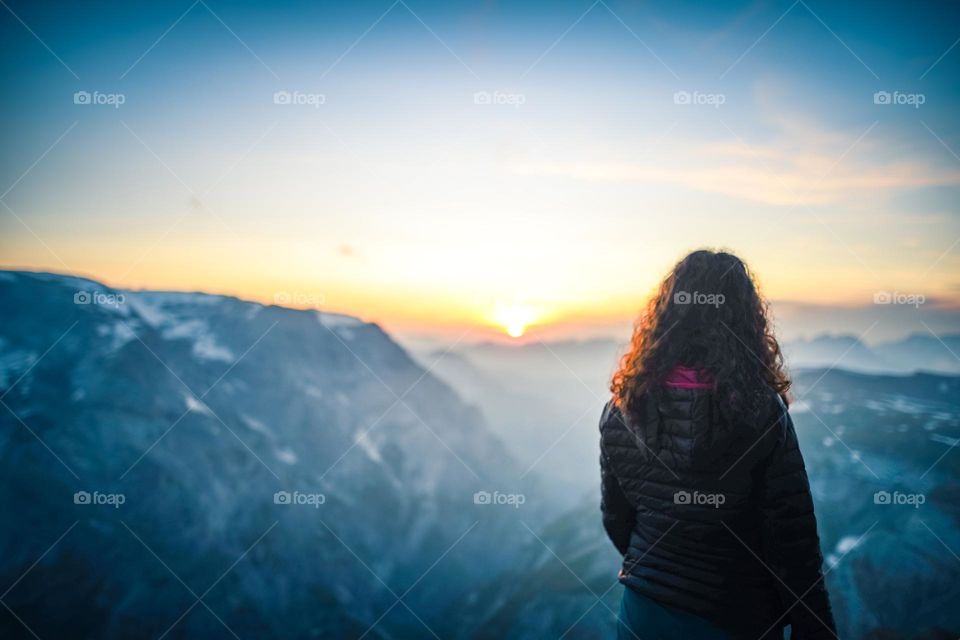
(203, 412)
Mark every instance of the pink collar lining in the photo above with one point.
(689, 378)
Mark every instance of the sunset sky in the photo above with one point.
(445, 166)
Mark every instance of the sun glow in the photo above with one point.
(514, 317)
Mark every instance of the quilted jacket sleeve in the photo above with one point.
(791, 547)
(618, 514)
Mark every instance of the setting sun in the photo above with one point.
(514, 317)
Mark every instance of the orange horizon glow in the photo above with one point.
(443, 315)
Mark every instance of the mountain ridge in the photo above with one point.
(101, 400)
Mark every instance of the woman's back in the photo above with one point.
(708, 500)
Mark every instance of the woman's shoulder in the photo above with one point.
(613, 419)
(770, 418)
(767, 405)
(610, 416)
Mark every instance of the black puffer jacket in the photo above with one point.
(714, 517)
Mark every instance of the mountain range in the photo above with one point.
(185, 465)
(279, 472)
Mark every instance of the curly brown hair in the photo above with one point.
(707, 314)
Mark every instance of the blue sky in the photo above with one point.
(616, 136)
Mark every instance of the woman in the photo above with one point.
(704, 489)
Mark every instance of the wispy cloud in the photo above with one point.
(803, 164)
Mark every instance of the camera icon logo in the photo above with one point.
(681, 497)
(881, 497)
(681, 97)
(682, 297)
(82, 297)
(282, 97)
(881, 97)
(482, 497)
(81, 497)
(482, 97)
(882, 297)
(281, 497)
(81, 97)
